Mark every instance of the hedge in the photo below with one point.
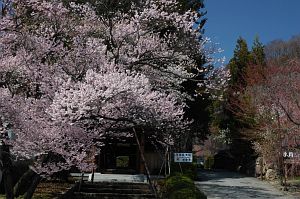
(181, 187)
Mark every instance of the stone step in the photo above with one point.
(99, 177)
(77, 176)
(117, 185)
(81, 195)
(113, 190)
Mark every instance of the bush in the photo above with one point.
(188, 193)
(181, 187)
(209, 162)
(178, 182)
(188, 169)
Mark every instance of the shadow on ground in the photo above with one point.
(232, 192)
(232, 185)
(204, 175)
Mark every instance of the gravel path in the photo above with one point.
(229, 185)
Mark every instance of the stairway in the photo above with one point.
(114, 190)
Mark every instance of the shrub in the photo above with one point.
(178, 182)
(188, 169)
(187, 193)
(181, 187)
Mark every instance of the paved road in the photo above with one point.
(229, 185)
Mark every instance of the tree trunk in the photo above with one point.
(8, 184)
(80, 182)
(7, 166)
(144, 162)
(280, 154)
(36, 180)
(142, 151)
(24, 182)
(169, 161)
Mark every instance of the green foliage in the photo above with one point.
(258, 53)
(237, 108)
(122, 161)
(187, 169)
(209, 162)
(197, 105)
(229, 116)
(188, 193)
(178, 182)
(236, 112)
(239, 62)
(181, 186)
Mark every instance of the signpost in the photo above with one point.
(291, 157)
(183, 157)
(288, 154)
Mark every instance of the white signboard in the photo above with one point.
(183, 157)
(291, 154)
(288, 154)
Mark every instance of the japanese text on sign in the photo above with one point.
(291, 154)
(183, 157)
(288, 154)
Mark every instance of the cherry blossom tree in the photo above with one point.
(70, 76)
(273, 107)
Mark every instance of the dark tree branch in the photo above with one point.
(289, 116)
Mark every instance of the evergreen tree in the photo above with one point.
(197, 109)
(258, 54)
(240, 148)
(238, 68)
(239, 62)
(231, 118)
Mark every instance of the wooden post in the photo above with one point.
(145, 163)
(285, 176)
(93, 174)
(169, 161)
(166, 160)
(180, 168)
(80, 182)
(142, 151)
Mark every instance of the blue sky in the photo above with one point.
(269, 19)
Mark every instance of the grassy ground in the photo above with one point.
(294, 184)
(295, 180)
(48, 190)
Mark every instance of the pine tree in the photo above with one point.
(258, 54)
(231, 118)
(239, 62)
